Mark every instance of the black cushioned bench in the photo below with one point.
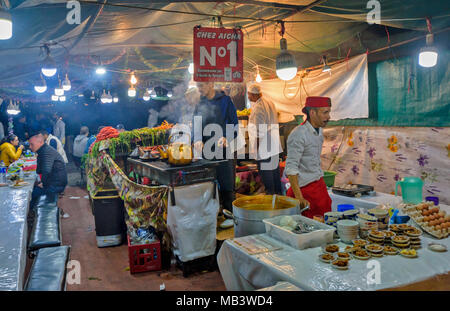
(46, 230)
(48, 272)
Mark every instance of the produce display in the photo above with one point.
(164, 126)
(430, 218)
(106, 133)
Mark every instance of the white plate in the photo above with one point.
(435, 247)
(341, 268)
(325, 251)
(361, 258)
(377, 254)
(374, 251)
(326, 261)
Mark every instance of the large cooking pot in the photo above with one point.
(249, 211)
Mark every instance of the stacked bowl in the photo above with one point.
(382, 216)
(351, 214)
(331, 218)
(347, 230)
(366, 224)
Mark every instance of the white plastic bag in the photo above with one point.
(192, 220)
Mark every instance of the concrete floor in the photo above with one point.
(106, 269)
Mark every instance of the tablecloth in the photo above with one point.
(302, 268)
(14, 205)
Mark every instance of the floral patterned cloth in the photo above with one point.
(145, 206)
(380, 156)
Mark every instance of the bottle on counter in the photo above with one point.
(2, 173)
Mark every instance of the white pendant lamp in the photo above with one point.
(59, 91)
(428, 55)
(48, 65)
(191, 68)
(286, 66)
(5, 25)
(110, 98)
(55, 98)
(131, 92)
(115, 99)
(169, 94)
(41, 87)
(104, 98)
(13, 108)
(62, 98)
(92, 95)
(66, 84)
(258, 76)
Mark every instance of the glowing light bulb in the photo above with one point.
(133, 79)
(191, 68)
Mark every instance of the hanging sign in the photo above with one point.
(218, 55)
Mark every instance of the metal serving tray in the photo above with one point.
(362, 189)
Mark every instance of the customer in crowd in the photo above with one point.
(21, 128)
(91, 140)
(264, 135)
(59, 128)
(120, 128)
(54, 142)
(52, 169)
(79, 145)
(8, 152)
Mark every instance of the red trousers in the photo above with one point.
(317, 195)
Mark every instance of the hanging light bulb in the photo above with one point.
(48, 65)
(326, 68)
(55, 98)
(104, 98)
(131, 92)
(92, 95)
(428, 54)
(191, 68)
(115, 99)
(100, 70)
(66, 84)
(133, 79)
(5, 25)
(13, 108)
(169, 94)
(110, 98)
(258, 76)
(286, 66)
(146, 96)
(62, 98)
(41, 87)
(59, 90)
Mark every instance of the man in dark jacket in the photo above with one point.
(216, 108)
(51, 167)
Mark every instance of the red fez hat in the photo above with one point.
(316, 102)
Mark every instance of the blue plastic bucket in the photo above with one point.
(345, 207)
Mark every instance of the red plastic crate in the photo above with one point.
(145, 257)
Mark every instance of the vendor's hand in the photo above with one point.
(21, 147)
(40, 185)
(222, 142)
(303, 202)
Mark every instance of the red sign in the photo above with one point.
(218, 55)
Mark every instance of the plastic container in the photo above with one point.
(345, 207)
(108, 211)
(328, 177)
(144, 257)
(300, 241)
(435, 200)
(411, 189)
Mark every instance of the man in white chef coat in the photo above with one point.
(264, 138)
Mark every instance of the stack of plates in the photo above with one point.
(331, 218)
(375, 250)
(376, 237)
(366, 224)
(388, 237)
(414, 237)
(347, 230)
(401, 241)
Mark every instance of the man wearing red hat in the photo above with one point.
(304, 146)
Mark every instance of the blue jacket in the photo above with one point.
(89, 143)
